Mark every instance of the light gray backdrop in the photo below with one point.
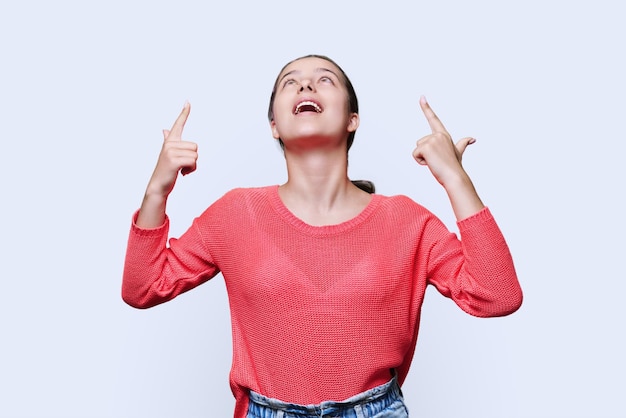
(86, 88)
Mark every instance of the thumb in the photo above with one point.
(462, 144)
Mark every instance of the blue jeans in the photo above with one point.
(383, 401)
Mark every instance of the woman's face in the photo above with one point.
(311, 104)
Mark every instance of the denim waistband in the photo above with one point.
(375, 399)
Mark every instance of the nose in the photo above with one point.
(306, 85)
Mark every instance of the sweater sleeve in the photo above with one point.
(477, 271)
(155, 272)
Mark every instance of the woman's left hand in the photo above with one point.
(438, 151)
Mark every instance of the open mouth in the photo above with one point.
(307, 106)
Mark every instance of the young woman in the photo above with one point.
(325, 279)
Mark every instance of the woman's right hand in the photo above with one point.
(176, 155)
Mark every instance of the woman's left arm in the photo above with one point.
(486, 283)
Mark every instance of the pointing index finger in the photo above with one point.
(431, 117)
(176, 132)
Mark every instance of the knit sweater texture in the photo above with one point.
(323, 312)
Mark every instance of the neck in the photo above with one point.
(318, 189)
(317, 175)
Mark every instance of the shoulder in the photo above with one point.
(245, 194)
(402, 204)
(240, 199)
(403, 212)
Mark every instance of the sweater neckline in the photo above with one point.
(334, 229)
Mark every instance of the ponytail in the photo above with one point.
(365, 185)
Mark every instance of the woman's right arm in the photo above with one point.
(176, 155)
(154, 272)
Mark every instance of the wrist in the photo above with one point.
(156, 190)
(152, 211)
(463, 196)
(456, 180)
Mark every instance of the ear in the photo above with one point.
(275, 133)
(353, 122)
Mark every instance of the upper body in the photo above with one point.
(335, 306)
(325, 281)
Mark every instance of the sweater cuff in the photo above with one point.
(475, 220)
(149, 232)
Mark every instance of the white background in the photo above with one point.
(86, 87)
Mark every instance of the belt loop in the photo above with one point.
(359, 411)
(280, 414)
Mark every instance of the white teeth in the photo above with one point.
(308, 103)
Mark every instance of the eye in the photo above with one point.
(289, 82)
(326, 79)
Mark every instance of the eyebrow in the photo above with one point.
(317, 70)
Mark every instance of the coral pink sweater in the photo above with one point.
(323, 313)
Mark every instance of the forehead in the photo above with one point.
(310, 64)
